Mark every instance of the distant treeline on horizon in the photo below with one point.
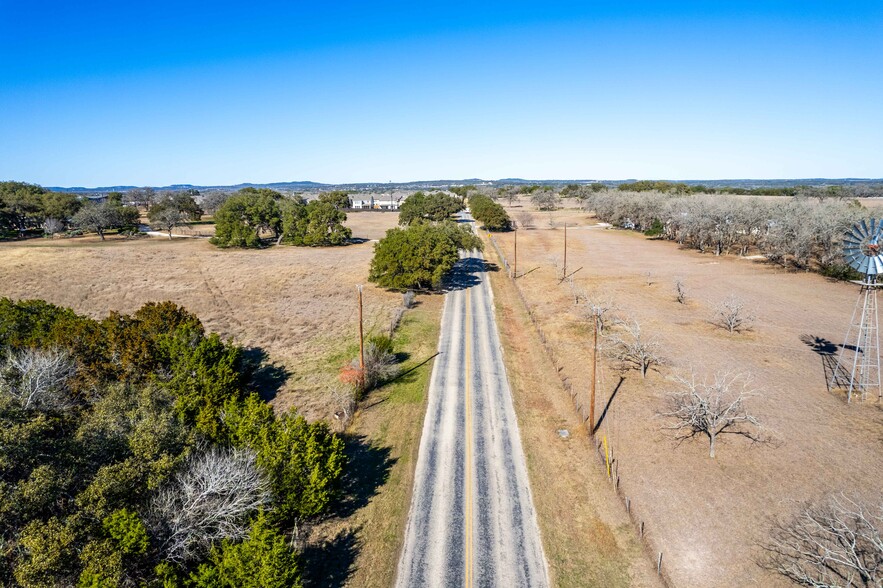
(781, 187)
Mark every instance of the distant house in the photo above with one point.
(382, 202)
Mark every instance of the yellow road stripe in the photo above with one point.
(468, 469)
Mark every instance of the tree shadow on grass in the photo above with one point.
(267, 378)
(368, 468)
(330, 563)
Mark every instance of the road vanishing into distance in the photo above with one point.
(472, 520)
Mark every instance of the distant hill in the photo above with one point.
(306, 186)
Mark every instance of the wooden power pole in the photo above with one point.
(515, 265)
(361, 338)
(565, 252)
(594, 374)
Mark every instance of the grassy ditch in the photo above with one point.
(360, 546)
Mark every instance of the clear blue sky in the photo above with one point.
(160, 92)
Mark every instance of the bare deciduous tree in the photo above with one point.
(732, 316)
(710, 408)
(837, 543)
(51, 226)
(635, 351)
(408, 299)
(344, 398)
(595, 308)
(381, 364)
(545, 200)
(209, 500)
(680, 292)
(525, 220)
(36, 379)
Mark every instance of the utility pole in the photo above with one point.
(361, 341)
(515, 265)
(565, 252)
(594, 377)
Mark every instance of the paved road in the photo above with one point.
(472, 521)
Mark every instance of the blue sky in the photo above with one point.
(154, 93)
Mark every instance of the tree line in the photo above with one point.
(135, 453)
(796, 232)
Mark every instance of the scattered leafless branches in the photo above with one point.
(398, 313)
(680, 292)
(597, 309)
(732, 316)
(344, 398)
(525, 220)
(36, 379)
(633, 350)
(51, 226)
(209, 500)
(837, 543)
(710, 408)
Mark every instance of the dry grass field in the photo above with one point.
(296, 304)
(707, 515)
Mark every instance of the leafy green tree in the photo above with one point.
(49, 554)
(174, 209)
(316, 223)
(435, 206)
(263, 560)
(241, 219)
(339, 199)
(417, 257)
(22, 205)
(60, 205)
(128, 531)
(304, 460)
(489, 213)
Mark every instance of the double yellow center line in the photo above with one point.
(468, 468)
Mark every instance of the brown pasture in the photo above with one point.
(297, 304)
(707, 516)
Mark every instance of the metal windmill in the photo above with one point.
(859, 372)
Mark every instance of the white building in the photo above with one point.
(381, 202)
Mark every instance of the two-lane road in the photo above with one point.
(472, 521)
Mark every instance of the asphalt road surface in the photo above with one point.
(472, 521)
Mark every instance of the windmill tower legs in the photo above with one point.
(859, 373)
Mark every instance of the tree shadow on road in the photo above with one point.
(464, 273)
